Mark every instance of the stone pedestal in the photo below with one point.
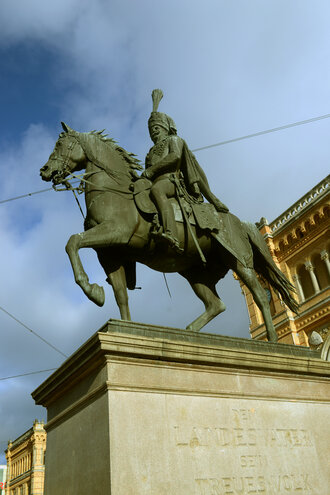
(146, 410)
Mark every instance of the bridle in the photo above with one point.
(65, 175)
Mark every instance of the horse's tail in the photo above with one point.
(265, 266)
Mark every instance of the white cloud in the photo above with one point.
(21, 20)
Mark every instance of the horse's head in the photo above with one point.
(77, 150)
(67, 157)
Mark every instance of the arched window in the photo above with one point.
(320, 271)
(305, 281)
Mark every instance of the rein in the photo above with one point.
(80, 188)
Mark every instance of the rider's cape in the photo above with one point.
(191, 169)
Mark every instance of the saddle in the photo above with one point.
(202, 214)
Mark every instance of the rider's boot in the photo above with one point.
(172, 241)
(170, 229)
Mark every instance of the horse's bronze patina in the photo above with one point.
(120, 234)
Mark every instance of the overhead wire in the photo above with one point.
(26, 374)
(25, 195)
(33, 332)
(255, 134)
(29, 194)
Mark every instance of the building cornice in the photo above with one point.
(20, 478)
(293, 249)
(311, 198)
(12, 445)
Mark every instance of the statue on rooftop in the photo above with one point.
(159, 219)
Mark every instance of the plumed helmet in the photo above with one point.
(160, 118)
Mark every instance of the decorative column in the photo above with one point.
(310, 269)
(38, 440)
(299, 287)
(325, 257)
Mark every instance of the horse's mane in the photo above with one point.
(130, 158)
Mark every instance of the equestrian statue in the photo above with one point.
(159, 219)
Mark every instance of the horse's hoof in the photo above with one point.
(97, 294)
(273, 338)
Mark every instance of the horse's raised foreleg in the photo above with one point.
(99, 237)
(204, 287)
(93, 291)
(248, 276)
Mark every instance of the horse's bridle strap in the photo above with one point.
(128, 194)
(105, 189)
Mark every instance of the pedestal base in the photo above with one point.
(145, 410)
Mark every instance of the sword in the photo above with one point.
(185, 216)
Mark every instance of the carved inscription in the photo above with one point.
(251, 450)
(274, 484)
(239, 437)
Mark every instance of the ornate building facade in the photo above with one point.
(26, 462)
(299, 243)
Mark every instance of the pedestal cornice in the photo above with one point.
(130, 340)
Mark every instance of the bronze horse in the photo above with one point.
(120, 234)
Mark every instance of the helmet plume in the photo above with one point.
(156, 95)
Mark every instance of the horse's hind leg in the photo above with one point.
(204, 287)
(248, 276)
(118, 281)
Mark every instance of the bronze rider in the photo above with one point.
(170, 155)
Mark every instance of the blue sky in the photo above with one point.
(35, 95)
(227, 69)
